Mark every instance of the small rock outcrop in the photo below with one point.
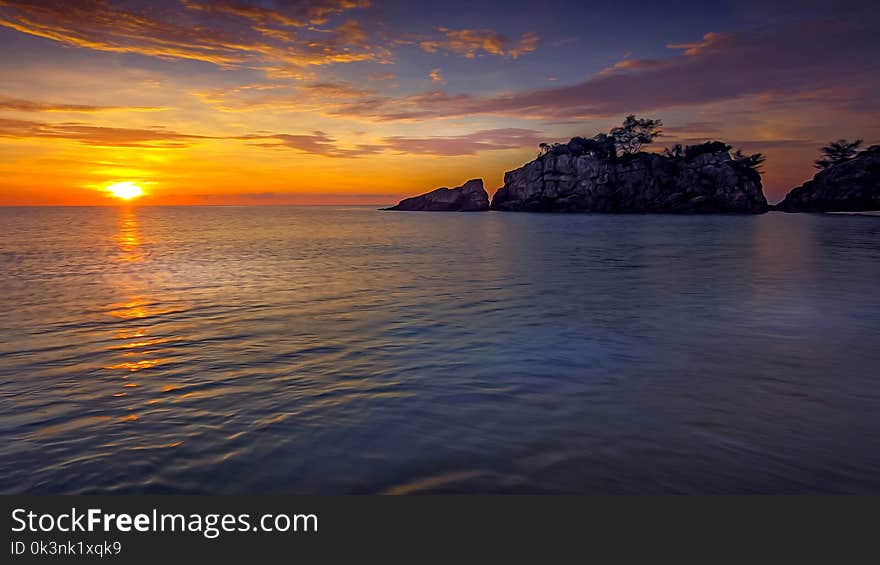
(469, 197)
(851, 186)
(577, 177)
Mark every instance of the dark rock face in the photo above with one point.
(851, 186)
(469, 197)
(706, 180)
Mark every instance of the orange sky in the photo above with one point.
(359, 102)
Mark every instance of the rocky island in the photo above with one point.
(469, 197)
(582, 176)
(847, 182)
(610, 173)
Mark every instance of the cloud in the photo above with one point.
(474, 42)
(97, 135)
(467, 144)
(691, 128)
(336, 90)
(229, 34)
(320, 143)
(22, 105)
(719, 67)
(435, 75)
(632, 65)
(528, 43)
(311, 97)
(415, 107)
(315, 143)
(295, 14)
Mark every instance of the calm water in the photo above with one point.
(346, 350)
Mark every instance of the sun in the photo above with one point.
(125, 190)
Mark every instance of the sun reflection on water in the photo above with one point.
(133, 344)
(128, 238)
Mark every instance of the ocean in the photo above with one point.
(318, 350)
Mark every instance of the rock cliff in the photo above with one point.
(851, 186)
(697, 179)
(469, 197)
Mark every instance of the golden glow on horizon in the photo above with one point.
(125, 190)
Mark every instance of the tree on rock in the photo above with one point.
(635, 133)
(837, 152)
(751, 162)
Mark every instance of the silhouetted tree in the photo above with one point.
(635, 133)
(837, 152)
(693, 151)
(675, 152)
(626, 139)
(601, 146)
(753, 161)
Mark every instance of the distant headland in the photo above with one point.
(469, 197)
(610, 173)
(848, 181)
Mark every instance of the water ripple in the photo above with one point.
(344, 350)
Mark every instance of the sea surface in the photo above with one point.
(348, 350)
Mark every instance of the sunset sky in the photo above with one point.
(365, 101)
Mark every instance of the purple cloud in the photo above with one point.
(780, 61)
(467, 144)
